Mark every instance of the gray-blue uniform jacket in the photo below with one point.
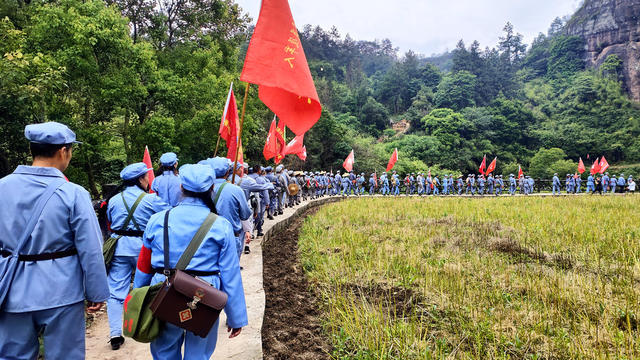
(68, 221)
(117, 214)
(167, 186)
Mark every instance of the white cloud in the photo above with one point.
(426, 26)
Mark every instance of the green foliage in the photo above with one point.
(542, 161)
(456, 91)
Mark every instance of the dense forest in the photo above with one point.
(125, 74)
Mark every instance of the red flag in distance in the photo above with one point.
(146, 159)
(348, 162)
(393, 159)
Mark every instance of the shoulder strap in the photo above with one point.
(131, 211)
(166, 242)
(197, 239)
(215, 199)
(42, 202)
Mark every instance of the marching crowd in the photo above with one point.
(54, 264)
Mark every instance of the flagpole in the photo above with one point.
(217, 143)
(244, 106)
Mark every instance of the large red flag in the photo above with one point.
(276, 62)
(294, 146)
(348, 162)
(595, 167)
(146, 159)
(228, 123)
(492, 166)
(483, 165)
(393, 159)
(604, 165)
(271, 145)
(520, 173)
(581, 167)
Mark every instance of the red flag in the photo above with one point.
(271, 145)
(280, 143)
(146, 159)
(276, 62)
(581, 167)
(483, 165)
(520, 173)
(604, 165)
(595, 167)
(492, 166)
(392, 160)
(303, 154)
(348, 162)
(294, 146)
(228, 123)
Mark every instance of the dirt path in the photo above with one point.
(247, 346)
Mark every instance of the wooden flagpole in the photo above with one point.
(239, 142)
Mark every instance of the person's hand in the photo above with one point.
(93, 307)
(247, 237)
(234, 332)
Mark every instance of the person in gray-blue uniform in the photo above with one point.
(572, 183)
(445, 184)
(345, 185)
(338, 183)
(567, 184)
(591, 185)
(395, 182)
(555, 186)
(527, 188)
(532, 184)
(481, 183)
(436, 185)
(384, 184)
(451, 188)
(621, 183)
(512, 184)
(51, 235)
(258, 176)
(521, 181)
(215, 262)
(273, 194)
(372, 184)
(578, 183)
(499, 185)
(167, 185)
(412, 181)
(283, 188)
(490, 184)
(128, 213)
(351, 184)
(360, 184)
(613, 183)
(605, 182)
(460, 183)
(232, 202)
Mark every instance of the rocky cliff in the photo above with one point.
(611, 27)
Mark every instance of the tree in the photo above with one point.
(541, 163)
(456, 91)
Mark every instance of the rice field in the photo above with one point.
(495, 278)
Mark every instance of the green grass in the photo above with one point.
(505, 278)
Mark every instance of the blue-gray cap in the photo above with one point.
(50, 133)
(268, 169)
(197, 178)
(168, 159)
(134, 171)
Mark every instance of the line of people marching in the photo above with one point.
(316, 184)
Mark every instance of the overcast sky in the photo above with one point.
(426, 26)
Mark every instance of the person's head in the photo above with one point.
(257, 169)
(169, 162)
(136, 174)
(197, 182)
(51, 144)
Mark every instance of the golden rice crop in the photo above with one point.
(502, 278)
